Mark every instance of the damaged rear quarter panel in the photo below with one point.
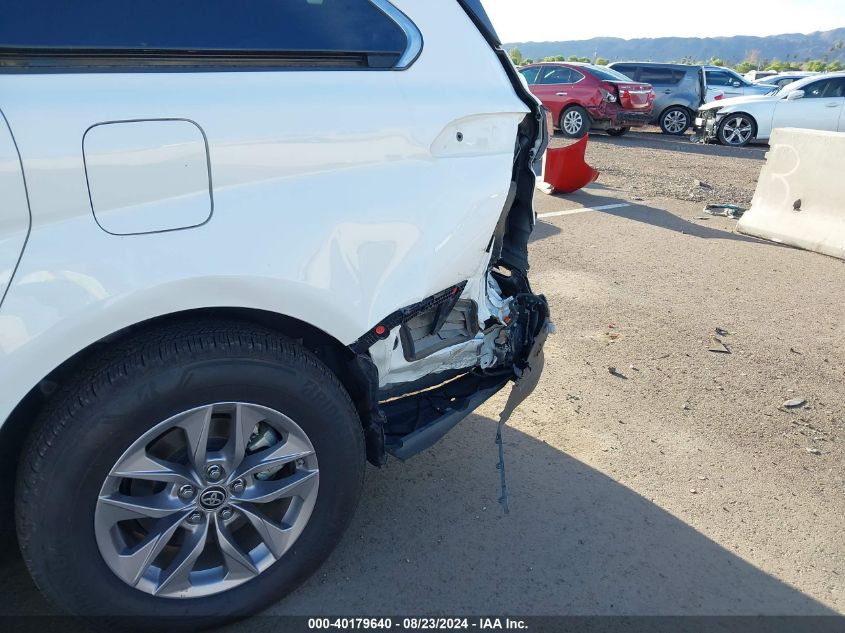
(500, 152)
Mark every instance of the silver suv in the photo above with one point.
(679, 91)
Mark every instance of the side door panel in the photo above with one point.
(14, 212)
(814, 111)
(721, 83)
(555, 90)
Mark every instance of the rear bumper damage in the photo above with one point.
(612, 115)
(425, 367)
(405, 419)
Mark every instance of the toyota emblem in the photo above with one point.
(212, 498)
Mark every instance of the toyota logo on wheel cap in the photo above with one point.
(212, 498)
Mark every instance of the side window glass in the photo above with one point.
(556, 75)
(816, 89)
(718, 78)
(835, 88)
(530, 74)
(626, 69)
(204, 28)
(660, 76)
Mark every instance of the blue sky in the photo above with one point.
(543, 20)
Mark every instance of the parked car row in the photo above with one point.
(719, 103)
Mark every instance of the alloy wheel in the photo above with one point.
(737, 130)
(207, 500)
(675, 122)
(573, 122)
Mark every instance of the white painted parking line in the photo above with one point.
(605, 207)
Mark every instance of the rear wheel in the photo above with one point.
(574, 122)
(618, 131)
(196, 472)
(675, 120)
(737, 130)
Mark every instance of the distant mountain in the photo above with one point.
(788, 47)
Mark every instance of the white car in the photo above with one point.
(815, 103)
(783, 79)
(242, 251)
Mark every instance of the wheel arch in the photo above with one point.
(678, 104)
(570, 106)
(754, 123)
(15, 427)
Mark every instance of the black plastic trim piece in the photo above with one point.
(429, 435)
(476, 10)
(400, 316)
(87, 61)
(414, 350)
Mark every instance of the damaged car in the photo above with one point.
(584, 97)
(813, 103)
(243, 251)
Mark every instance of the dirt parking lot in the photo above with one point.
(681, 485)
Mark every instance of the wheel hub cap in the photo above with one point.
(675, 121)
(572, 122)
(213, 497)
(256, 479)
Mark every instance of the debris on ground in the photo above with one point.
(718, 346)
(702, 184)
(726, 210)
(813, 451)
(615, 372)
(722, 332)
(795, 403)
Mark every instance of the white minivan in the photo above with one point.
(244, 248)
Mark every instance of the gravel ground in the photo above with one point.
(678, 485)
(677, 169)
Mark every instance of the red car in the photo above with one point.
(582, 97)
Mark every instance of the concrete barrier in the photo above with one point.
(800, 196)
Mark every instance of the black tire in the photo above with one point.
(675, 120)
(618, 131)
(737, 130)
(571, 115)
(118, 397)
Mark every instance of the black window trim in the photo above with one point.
(55, 60)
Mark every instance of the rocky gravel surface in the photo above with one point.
(650, 164)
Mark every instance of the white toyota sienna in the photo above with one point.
(245, 248)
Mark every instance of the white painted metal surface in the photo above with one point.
(339, 197)
(147, 176)
(14, 212)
